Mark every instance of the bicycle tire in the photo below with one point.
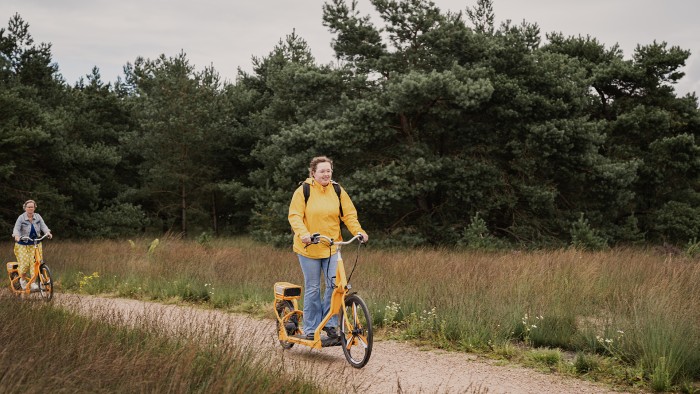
(283, 308)
(356, 331)
(45, 283)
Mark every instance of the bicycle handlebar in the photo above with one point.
(316, 238)
(33, 239)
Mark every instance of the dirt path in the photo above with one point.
(394, 367)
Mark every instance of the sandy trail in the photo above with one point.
(394, 367)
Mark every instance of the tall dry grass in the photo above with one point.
(50, 349)
(636, 305)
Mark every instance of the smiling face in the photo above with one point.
(323, 173)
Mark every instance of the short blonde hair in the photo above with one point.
(24, 206)
(316, 161)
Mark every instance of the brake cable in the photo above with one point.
(357, 258)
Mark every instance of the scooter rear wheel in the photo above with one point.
(16, 286)
(291, 323)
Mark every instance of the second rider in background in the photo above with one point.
(320, 214)
(29, 224)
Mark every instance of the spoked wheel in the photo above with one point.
(45, 283)
(356, 331)
(291, 324)
(15, 285)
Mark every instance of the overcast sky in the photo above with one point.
(226, 34)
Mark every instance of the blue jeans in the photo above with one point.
(314, 309)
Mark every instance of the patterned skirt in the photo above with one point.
(25, 258)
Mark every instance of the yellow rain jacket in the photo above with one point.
(320, 215)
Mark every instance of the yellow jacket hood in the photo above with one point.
(321, 214)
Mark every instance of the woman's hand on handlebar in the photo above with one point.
(315, 238)
(364, 238)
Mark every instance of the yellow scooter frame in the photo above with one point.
(356, 323)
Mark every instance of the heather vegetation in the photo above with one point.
(627, 316)
(46, 347)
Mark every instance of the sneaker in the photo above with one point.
(34, 287)
(23, 283)
(310, 335)
(331, 332)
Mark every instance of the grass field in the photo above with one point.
(49, 349)
(630, 316)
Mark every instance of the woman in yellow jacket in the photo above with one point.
(320, 214)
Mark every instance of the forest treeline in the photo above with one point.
(445, 129)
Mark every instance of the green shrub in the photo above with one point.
(677, 221)
(204, 239)
(584, 237)
(476, 236)
(112, 221)
(548, 357)
(551, 330)
(584, 363)
(660, 378)
(692, 249)
(629, 232)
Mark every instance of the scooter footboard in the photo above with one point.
(12, 266)
(287, 291)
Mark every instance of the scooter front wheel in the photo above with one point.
(45, 282)
(356, 331)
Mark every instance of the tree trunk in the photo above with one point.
(183, 195)
(213, 214)
(406, 127)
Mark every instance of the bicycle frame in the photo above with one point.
(341, 290)
(13, 267)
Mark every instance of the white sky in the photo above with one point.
(226, 34)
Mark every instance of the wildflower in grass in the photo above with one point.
(528, 327)
(390, 313)
(613, 346)
(426, 326)
(85, 281)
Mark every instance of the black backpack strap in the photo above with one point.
(307, 191)
(336, 187)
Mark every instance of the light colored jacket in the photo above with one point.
(23, 226)
(320, 215)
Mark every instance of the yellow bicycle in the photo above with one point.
(355, 321)
(42, 275)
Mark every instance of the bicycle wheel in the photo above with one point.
(356, 331)
(16, 286)
(45, 283)
(291, 324)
